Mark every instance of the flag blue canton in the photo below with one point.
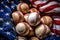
(13, 6)
(52, 37)
(1, 18)
(6, 24)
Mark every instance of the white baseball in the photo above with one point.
(23, 28)
(47, 20)
(42, 30)
(23, 7)
(17, 17)
(21, 38)
(33, 18)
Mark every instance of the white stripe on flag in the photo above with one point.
(57, 18)
(57, 27)
(47, 5)
(56, 10)
(37, 2)
(40, 2)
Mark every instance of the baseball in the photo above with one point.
(17, 17)
(33, 18)
(47, 20)
(26, 17)
(34, 38)
(21, 38)
(33, 10)
(23, 29)
(42, 30)
(23, 7)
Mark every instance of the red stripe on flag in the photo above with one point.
(57, 22)
(56, 31)
(40, 5)
(50, 7)
(32, 2)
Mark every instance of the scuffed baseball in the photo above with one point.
(33, 10)
(33, 18)
(34, 38)
(17, 17)
(42, 30)
(21, 38)
(23, 7)
(47, 20)
(23, 29)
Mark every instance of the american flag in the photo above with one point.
(56, 26)
(47, 6)
(6, 23)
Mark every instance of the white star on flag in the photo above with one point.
(6, 6)
(1, 10)
(8, 33)
(7, 23)
(7, 14)
(2, 2)
(12, 7)
(1, 28)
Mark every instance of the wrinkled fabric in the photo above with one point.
(6, 22)
(52, 37)
(47, 6)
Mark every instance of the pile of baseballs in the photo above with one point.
(30, 23)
